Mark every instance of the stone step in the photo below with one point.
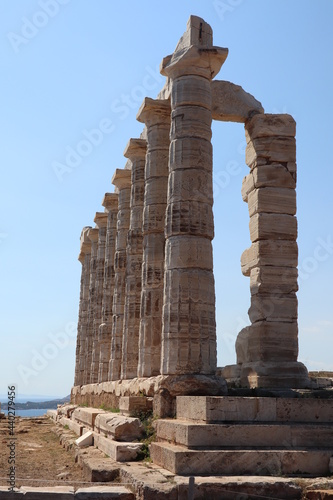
(67, 493)
(259, 409)
(118, 451)
(196, 435)
(179, 460)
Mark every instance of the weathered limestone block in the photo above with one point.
(272, 200)
(231, 103)
(130, 405)
(271, 226)
(101, 220)
(84, 258)
(86, 416)
(267, 176)
(273, 308)
(270, 125)
(156, 115)
(271, 149)
(280, 253)
(273, 279)
(268, 340)
(121, 452)
(110, 202)
(189, 334)
(119, 427)
(122, 181)
(136, 152)
(93, 236)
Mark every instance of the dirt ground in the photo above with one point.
(40, 459)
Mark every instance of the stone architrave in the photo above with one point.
(189, 325)
(101, 220)
(136, 152)
(267, 350)
(84, 258)
(93, 236)
(156, 114)
(122, 181)
(110, 202)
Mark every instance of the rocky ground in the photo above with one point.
(40, 459)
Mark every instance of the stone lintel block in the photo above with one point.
(130, 405)
(87, 439)
(154, 111)
(272, 307)
(272, 200)
(101, 219)
(110, 201)
(119, 451)
(231, 103)
(183, 252)
(93, 234)
(192, 60)
(267, 176)
(269, 226)
(269, 341)
(86, 416)
(270, 125)
(119, 427)
(136, 149)
(186, 153)
(121, 178)
(273, 280)
(279, 253)
(271, 149)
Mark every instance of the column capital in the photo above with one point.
(93, 234)
(101, 219)
(85, 243)
(110, 201)
(195, 53)
(121, 178)
(153, 111)
(136, 149)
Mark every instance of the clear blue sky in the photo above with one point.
(89, 64)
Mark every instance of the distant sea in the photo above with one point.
(28, 413)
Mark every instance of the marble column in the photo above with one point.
(189, 326)
(136, 153)
(110, 202)
(93, 236)
(101, 220)
(84, 258)
(267, 350)
(122, 182)
(156, 114)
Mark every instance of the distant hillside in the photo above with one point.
(34, 405)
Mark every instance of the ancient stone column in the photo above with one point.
(267, 350)
(84, 258)
(110, 202)
(122, 181)
(101, 220)
(156, 115)
(189, 327)
(93, 236)
(136, 152)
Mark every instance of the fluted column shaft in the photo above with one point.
(136, 152)
(93, 236)
(122, 181)
(156, 115)
(110, 202)
(101, 220)
(189, 327)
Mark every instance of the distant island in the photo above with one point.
(36, 405)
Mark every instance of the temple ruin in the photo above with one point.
(146, 327)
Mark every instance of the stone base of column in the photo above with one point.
(268, 375)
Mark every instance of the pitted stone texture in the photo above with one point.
(231, 103)
(136, 152)
(119, 427)
(271, 226)
(119, 451)
(277, 253)
(122, 181)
